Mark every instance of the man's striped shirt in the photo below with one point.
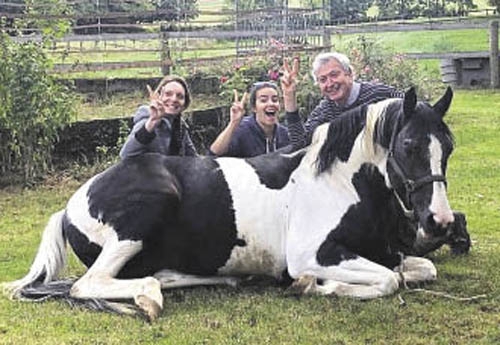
(301, 133)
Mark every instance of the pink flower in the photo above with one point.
(273, 75)
(223, 79)
(277, 44)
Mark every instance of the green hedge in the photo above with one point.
(33, 107)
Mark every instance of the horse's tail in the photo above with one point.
(60, 290)
(41, 281)
(49, 260)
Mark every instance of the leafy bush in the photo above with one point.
(34, 107)
(372, 63)
(266, 67)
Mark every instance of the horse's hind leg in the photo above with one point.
(172, 279)
(99, 281)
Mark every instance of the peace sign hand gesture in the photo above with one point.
(289, 84)
(156, 108)
(238, 107)
(289, 79)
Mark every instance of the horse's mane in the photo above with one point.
(343, 131)
(377, 120)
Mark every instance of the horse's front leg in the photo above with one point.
(100, 282)
(416, 269)
(341, 272)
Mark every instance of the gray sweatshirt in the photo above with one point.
(170, 137)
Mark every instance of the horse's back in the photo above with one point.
(196, 215)
(178, 207)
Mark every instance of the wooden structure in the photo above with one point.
(474, 69)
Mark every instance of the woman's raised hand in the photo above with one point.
(156, 108)
(238, 107)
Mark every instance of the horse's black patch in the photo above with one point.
(274, 169)
(332, 253)
(86, 251)
(180, 208)
(240, 243)
(365, 227)
(385, 123)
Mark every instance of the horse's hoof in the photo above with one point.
(150, 308)
(303, 285)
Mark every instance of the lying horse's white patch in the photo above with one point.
(77, 212)
(260, 221)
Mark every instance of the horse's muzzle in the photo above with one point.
(433, 228)
(458, 238)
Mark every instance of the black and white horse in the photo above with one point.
(330, 211)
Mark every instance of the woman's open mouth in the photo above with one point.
(270, 113)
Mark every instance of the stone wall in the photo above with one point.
(82, 141)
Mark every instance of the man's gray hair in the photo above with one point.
(324, 58)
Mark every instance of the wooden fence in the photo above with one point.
(188, 47)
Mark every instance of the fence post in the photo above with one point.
(494, 54)
(327, 39)
(165, 52)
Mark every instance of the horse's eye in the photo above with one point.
(410, 146)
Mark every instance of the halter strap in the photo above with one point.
(410, 185)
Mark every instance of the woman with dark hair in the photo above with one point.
(259, 133)
(159, 127)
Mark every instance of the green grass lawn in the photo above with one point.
(427, 41)
(264, 314)
(124, 105)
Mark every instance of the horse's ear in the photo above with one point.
(410, 102)
(441, 106)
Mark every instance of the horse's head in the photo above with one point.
(419, 149)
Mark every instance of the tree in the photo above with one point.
(28, 15)
(250, 5)
(177, 10)
(390, 8)
(423, 8)
(312, 3)
(495, 3)
(349, 10)
(136, 10)
(463, 5)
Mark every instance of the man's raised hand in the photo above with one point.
(290, 75)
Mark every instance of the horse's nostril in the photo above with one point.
(439, 223)
(433, 227)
